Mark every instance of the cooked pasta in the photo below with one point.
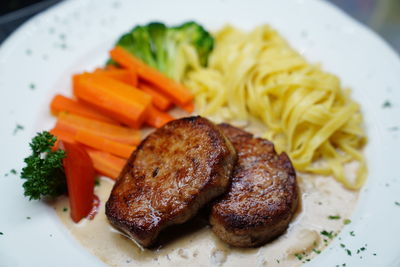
(306, 111)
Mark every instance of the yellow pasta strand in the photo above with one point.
(307, 112)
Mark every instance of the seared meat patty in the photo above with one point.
(263, 195)
(173, 172)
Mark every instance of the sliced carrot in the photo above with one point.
(159, 100)
(60, 103)
(106, 164)
(134, 77)
(189, 107)
(118, 100)
(111, 67)
(63, 135)
(103, 144)
(178, 94)
(69, 124)
(122, 75)
(156, 118)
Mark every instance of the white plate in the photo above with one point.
(76, 35)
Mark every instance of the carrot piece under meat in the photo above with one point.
(106, 164)
(178, 94)
(60, 103)
(159, 100)
(189, 107)
(103, 144)
(118, 100)
(156, 118)
(122, 75)
(68, 123)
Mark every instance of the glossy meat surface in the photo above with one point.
(174, 171)
(263, 195)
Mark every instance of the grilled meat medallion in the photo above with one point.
(263, 195)
(173, 172)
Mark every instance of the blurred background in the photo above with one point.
(382, 16)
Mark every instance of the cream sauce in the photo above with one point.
(194, 243)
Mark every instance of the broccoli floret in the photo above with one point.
(165, 48)
(44, 171)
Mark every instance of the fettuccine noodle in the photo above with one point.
(307, 113)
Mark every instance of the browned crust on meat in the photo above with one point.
(263, 195)
(172, 173)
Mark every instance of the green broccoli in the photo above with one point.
(167, 48)
(44, 171)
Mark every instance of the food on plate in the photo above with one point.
(55, 167)
(171, 50)
(307, 114)
(80, 176)
(256, 80)
(173, 172)
(263, 194)
(44, 174)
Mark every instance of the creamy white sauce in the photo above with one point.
(195, 244)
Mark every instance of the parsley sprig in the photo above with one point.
(44, 171)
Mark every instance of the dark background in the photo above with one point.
(382, 16)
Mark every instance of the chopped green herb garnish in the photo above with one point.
(317, 250)
(344, 265)
(298, 256)
(374, 254)
(32, 86)
(65, 209)
(394, 128)
(13, 171)
(18, 128)
(346, 221)
(1, 233)
(362, 248)
(387, 104)
(28, 218)
(342, 245)
(327, 234)
(277, 261)
(97, 182)
(397, 203)
(352, 233)
(348, 252)
(334, 217)
(28, 52)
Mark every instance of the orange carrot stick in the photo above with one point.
(106, 164)
(189, 107)
(122, 75)
(120, 101)
(159, 100)
(103, 144)
(178, 94)
(111, 67)
(156, 118)
(60, 103)
(67, 136)
(68, 123)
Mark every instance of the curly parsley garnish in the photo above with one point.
(44, 171)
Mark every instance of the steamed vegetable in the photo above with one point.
(178, 94)
(44, 172)
(113, 98)
(80, 180)
(171, 50)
